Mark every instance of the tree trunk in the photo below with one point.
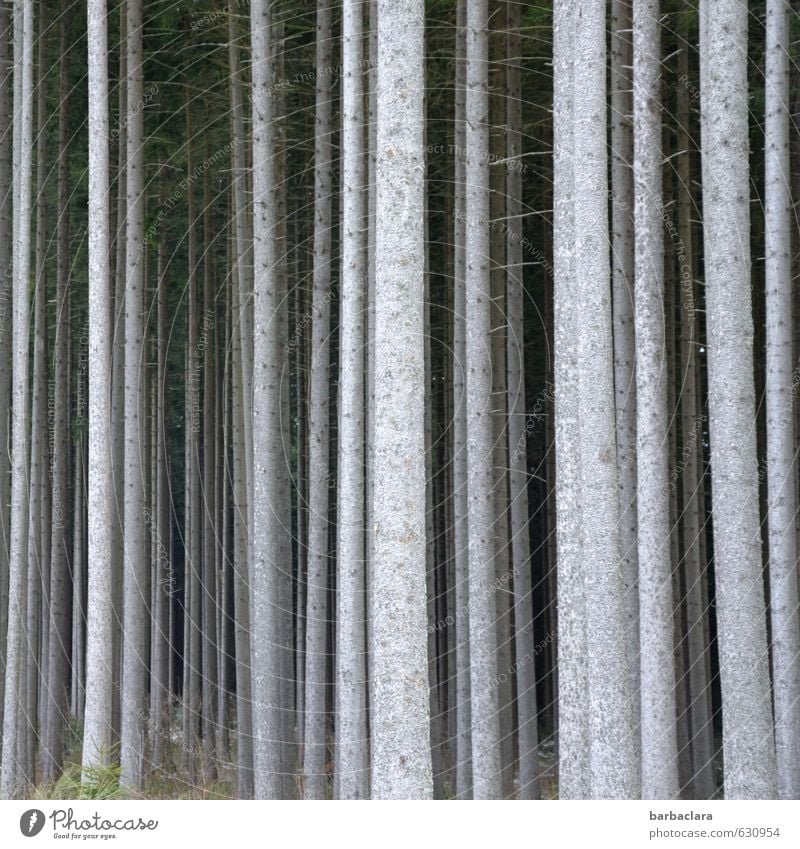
(320, 482)
(486, 765)
(612, 765)
(463, 706)
(239, 434)
(748, 738)
(658, 729)
(401, 752)
(352, 751)
(573, 727)
(6, 330)
(781, 472)
(265, 531)
(136, 573)
(622, 272)
(97, 721)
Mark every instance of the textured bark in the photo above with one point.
(622, 273)
(748, 739)
(352, 751)
(6, 330)
(239, 432)
(15, 686)
(265, 531)
(486, 765)
(118, 275)
(314, 751)
(573, 728)
(528, 738)
(463, 707)
(401, 753)
(97, 721)
(612, 765)
(781, 471)
(136, 573)
(658, 732)
(38, 492)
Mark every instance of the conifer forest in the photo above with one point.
(399, 399)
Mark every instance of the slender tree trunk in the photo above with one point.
(658, 728)
(265, 531)
(18, 553)
(486, 765)
(118, 275)
(352, 752)
(159, 516)
(401, 752)
(97, 721)
(463, 704)
(239, 432)
(781, 471)
(612, 764)
(6, 331)
(207, 346)
(748, 738)
(136, 576)
(38, 493)
(622, 272)
(573, 728)
(314, 738)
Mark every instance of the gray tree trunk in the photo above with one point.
(781, 470)
(314, 752)
(612, 764)
(573, 727)
(486, 765)
(401, 752)
(267, 450)
(748, 737)
(463, 706)
(622, 273)
(6, 330)
(239, 433)
(659, 750)
(136, 572)
(97, 720)
(352, 750)
(15, 685)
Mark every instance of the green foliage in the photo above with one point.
(102, 783)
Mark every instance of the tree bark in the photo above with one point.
(612, 764)
(401, 752)
(748, 737)
(97, 721)
(781, 472)
(659, 750)
(573, 728)
(352, 751)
